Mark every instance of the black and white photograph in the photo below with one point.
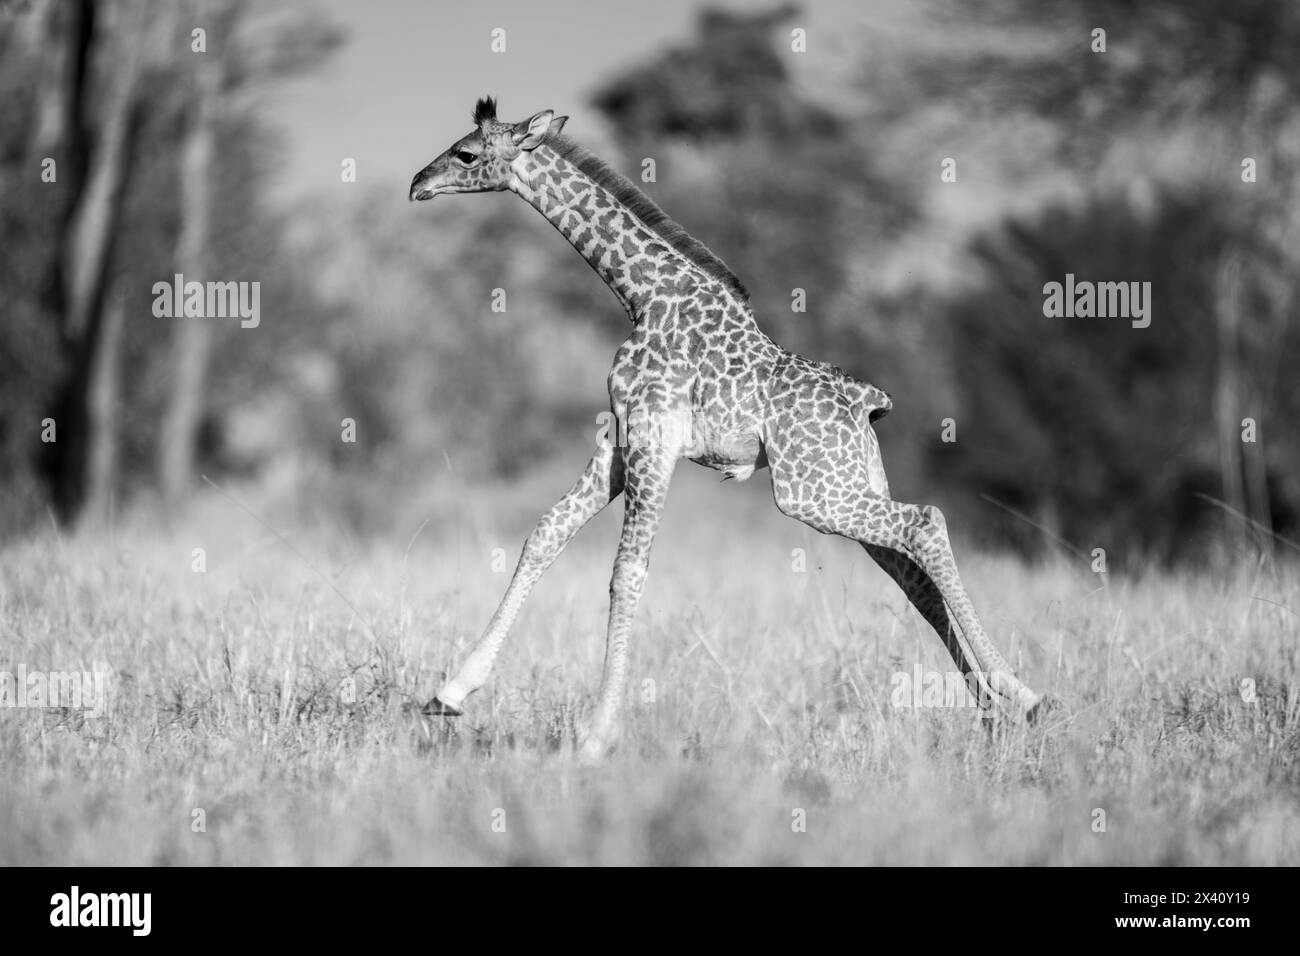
(689, 433)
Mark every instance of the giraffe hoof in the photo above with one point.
(1044, 708)
(436, 708)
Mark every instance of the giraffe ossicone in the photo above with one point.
(697, 358)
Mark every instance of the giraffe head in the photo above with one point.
(484, 159)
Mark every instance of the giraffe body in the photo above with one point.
(698, 379)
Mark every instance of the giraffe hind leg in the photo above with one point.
(925, 597)
(826, 474)
(910, 577)
(933, 584)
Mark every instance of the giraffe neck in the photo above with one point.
(640, 266)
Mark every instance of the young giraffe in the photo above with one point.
(697, 379)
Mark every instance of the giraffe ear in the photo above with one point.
(530, 133)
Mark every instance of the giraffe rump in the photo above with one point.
(871, 399)
(645, 209)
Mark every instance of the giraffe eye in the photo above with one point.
(466, 157)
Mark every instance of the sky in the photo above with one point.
(403, 85)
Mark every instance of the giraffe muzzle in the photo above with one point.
(426, 184)
(421, 191)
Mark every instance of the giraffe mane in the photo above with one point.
(645, 209)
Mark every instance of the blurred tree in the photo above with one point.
(92, 217)
(1155, 130)
(730, 83)
(1099, 432)
(244, 53)
(87, 118)
(192, 336)
(775, 182)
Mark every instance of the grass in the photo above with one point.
(253, 699)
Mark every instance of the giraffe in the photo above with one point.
(698, 379)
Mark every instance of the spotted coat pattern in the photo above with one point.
(697, 378)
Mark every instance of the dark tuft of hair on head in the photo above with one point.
(485, 109)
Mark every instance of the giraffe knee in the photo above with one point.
(628, 578)
(928, 529)
(543, 541)
(934, 518)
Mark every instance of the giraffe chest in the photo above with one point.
(701, 365)
(716, 418)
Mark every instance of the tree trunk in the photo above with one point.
(102, 390)
(1227, 404)
(76, 293)
(191, 337)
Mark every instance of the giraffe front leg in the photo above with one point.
(648, 473)
(601, 483)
